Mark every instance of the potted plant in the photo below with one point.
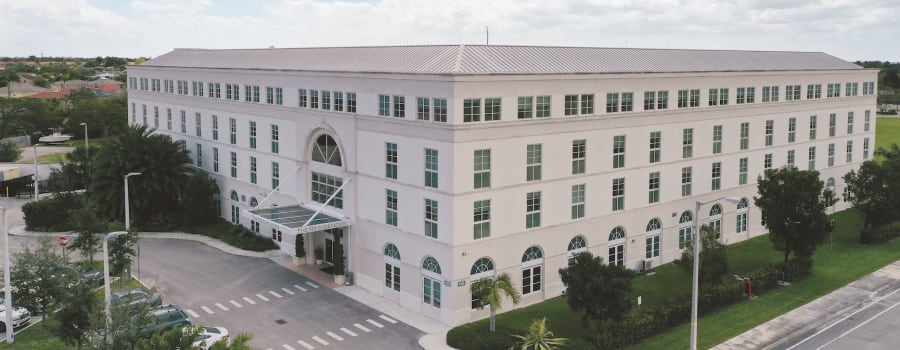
(299, 251)
(339, 277)
(319, 253)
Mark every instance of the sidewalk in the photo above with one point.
(818, 314)
(436, 332)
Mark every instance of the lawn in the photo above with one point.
(41, 336)
(887, 131)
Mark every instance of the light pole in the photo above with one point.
(127, 206)
(36, 190)
(696, 275)
(7, 300)
(106, 293)
(86, 147)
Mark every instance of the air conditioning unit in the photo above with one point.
(648, 264)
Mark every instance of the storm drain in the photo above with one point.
(280, 321)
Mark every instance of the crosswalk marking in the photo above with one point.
(249, 301)
(376, 324)
(335, 336)
(192, 313)
(287, 347)
(288, 291)
(275, 294)
(219, 305)
(261, 297)
(320, 340)
(312, 284)
(361, 327)
(300, 288)
(235, 303)
(305, 345)
(349, 332)
(383, 317)
(208, 310)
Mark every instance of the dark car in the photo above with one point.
(166, 317)
(78, 274)
(135, 296)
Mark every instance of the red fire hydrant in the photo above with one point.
(749, 287)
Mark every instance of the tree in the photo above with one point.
(239, 342)
(89, 226)
(791, 204)
(77, 314)
(38, 285)
(490, 292)
(173, 339)
(121, 250)
(538, 338)
(9, 152)
(713, 260)
(600, 290)
(873, 190)
(72, 175)
(198, 204)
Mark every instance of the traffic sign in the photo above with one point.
(63, 241)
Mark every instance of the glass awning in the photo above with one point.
(295, 216)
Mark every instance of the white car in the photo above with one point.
(21, 317)
(209, 336)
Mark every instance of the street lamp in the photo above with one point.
(86, 147)
(696, 276)
(7, 300)
(106, 293)
(36, 190)
(127, 206)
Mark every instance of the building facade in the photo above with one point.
(442, 165)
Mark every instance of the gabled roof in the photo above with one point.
(483, 60)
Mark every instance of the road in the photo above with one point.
(282, 309)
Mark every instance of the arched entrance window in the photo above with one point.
(431, 281)
(391, 267)
(617, 246)
(253, 202)
(715, 219)
(235, 209)
(742, 210)
(654, 232)
(532, 262)
(325, 150)
(481, 269)
(685, 228)
(577, 245)
(829, 184)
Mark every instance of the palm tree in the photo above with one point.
(488, 291)
(239, 342)
(538, 338)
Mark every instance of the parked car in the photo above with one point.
(78, 274)
(166, 317)
(209, 336)
(135, 296)
(21, 317)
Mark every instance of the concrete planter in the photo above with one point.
(340, 279)
(299, 260)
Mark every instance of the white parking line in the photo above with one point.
(208, 310)
(376, 324)
(287, 347)
(235, 303)
(300, 288)
(192, 313)
(261, 297)
(335, 336)
(288, 291)
(249, 301)
(845, 318)
(219, 305)
(361, 327)
(305, 345)
(349, 332)
(275, 294)
(383, 317)
(320, 340)
(312, 284)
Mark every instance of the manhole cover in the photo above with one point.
(280, 321)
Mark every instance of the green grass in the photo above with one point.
(887, 131)
(41, 336)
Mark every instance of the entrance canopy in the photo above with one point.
(297, 217)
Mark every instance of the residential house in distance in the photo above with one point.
(442, 165)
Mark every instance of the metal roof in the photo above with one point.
(485, 60)
(296, 217)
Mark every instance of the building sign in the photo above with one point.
(325, 226)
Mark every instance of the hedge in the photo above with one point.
(50, 214)
(880, 234)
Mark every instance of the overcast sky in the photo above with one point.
(849, 29)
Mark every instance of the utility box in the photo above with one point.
(9, 172)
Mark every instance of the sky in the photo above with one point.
(848, 29)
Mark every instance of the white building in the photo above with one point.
(461, 162)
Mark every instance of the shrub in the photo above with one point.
(467, 338)
(51, 213)
(9, 152)
(880, 234)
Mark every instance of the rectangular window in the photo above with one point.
(812, 127)
(431, 218)
(831, 154)
(156, 117)
(274, 138)
(525, 107)
(270, 95)
(423, 108)
(533, 162)
(491, 109)
(326, 100)
(686, 181)
(399, 106)
(482, 219)
(579, 153)
(571, 105)
(867, 119)
(183, 122)
(751, 95)
(338, 101)
(742, 171)
(199, 155)
(682, 98)
(812, 158)
(253, 170)
(253, 135)
(745, 136)
(849, 151)
(168, 118)
(323, 186)
(351, 102)
(276, 175)
(687, 143)
(766, 91)
(471, 110)
(482, 161)
(791, 158)
(716, 176)
(792, 93)
(314, 99)
(302, 98)
(612, 102)
(649, 100)
(774, 97)
(232, 129)
(618, 151)
(279, 96)
(627, 101)
(384, 105)
(767, 162)
(662, 100)
(770, 130)
(144, 114)
(390, 207)
(792, 129)
(577, 201)
(198, 125)
(390, 165)
(440, 110)
(618, 194)
(866, 148)
(695, 98)
(587, 104)
(653, 183)
(543, 107)
(256, 93)
(717, 139)
(849, 123)
(215, 159)
(713, 97)
(215, 127)
(431, 168)
(655, 146)
(233, 164)
(533, 209)
(832, 123)
(652, 247)
(741, 95)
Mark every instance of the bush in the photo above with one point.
(51, 213)
(880, 234)
(464, 338)
(9, 152)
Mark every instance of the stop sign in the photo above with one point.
(63, 241)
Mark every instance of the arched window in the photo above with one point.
(829, 184)
(685, 228)
(654, 232)
(741, 225)
(392, 267)
(481, 269)
(253, 202)
(576, 245)
(532, 263)
(325, 150)
(235, 210)
(617, 246)
(234, 196)
(715, 219)
(431, 281)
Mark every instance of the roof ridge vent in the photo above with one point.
(459, 55)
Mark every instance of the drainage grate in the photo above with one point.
(280, 321)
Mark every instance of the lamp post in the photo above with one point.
(106, 293)
(695, 289)
(7, 300)
(86, 147)
(36, 190)
(127, 206)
